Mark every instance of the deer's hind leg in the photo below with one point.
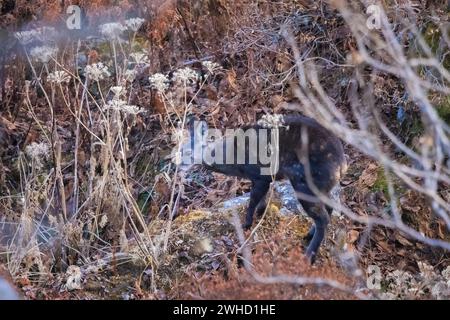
(315, 210)
(257, 195)
(261, 207)
(310, 234)
(308, 237)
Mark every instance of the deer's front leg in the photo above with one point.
(257, 193)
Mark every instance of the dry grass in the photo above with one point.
(102, 192)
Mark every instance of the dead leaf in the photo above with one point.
(403, 240)
(352, 236)
(369, 175)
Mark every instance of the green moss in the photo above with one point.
(416, 128)
(143, 202)
(142, 166)
(432, 36)
(443, 110)
(381, 183)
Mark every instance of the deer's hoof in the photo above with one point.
(311, 256)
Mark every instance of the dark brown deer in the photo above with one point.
(324, 154)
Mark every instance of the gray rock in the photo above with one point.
(282, 190)
(285, 193)
(236, 203)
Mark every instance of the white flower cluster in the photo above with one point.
(129, 75)
(211, 67)
(122, 106)
(38, 152)
(271, 121)
(119, 105)
(140, 58)
(112, 30)
(43, 53)
(134, 23)
(159, 81)
(58, 77)
(186, 76)
(25, 37)
(118, 91)
(97, 71)
(42, 34)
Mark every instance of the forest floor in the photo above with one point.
(97, 251)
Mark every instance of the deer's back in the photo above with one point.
(324, 152)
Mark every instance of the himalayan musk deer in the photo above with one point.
(324, 154)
